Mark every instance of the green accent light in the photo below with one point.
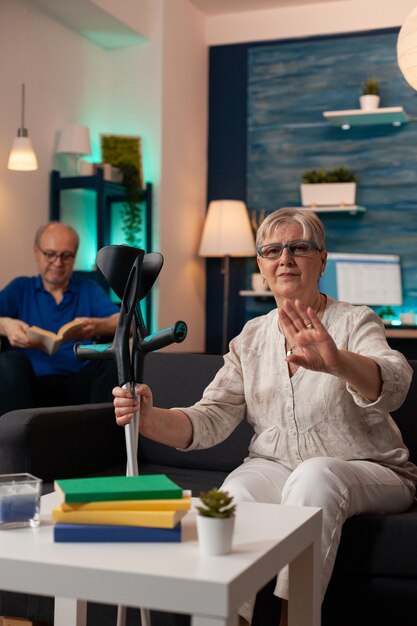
(78, 208)
(158, 332)
(181, 330)
(97, 347)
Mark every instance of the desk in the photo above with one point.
(171, 577)
(401, 332)
(403, 338)
(250, 293)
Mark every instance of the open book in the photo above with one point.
(50, 341)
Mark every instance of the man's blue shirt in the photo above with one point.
(25, 298)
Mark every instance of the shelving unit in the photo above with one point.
(107, 193)
(395, 116)
(353, 209)
(256, 294)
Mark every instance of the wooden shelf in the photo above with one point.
(256, 294)
(359, 117)
(353, 209)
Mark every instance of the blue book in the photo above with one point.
(102, 533)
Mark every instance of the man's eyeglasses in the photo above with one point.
(295, 248)
(51, 256)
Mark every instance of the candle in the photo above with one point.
(19, 500)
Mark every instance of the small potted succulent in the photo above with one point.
(335, 187)
(215, 522)
(370, 98)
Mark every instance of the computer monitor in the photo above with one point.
(372, 279)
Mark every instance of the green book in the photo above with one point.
(146, 487)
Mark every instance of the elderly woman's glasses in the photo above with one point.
(295, 248)
(51, 256)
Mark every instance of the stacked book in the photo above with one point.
(120, 508)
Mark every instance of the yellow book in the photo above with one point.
(49, 341)
(156, 519)
(170, 504)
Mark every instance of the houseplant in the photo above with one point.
(335, 187)
(370, 97)
(131, 212)
(125, 153)
(215, 522)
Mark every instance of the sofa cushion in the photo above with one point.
(224, 457)
(379, 545)
(195, 479)
(370, 601)
(61, 442)
(405, 417)
(181, 387)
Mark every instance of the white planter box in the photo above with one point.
(328, 194)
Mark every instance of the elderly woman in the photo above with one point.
(317, 380)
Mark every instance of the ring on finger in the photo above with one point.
(309, 326)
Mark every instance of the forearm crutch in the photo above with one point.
(119, 349)
(131, 275)
(115, 263)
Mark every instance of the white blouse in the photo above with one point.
(311, 413)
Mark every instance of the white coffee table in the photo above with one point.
(171, 577)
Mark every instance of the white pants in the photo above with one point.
(340, 488)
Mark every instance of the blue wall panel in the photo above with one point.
(290, 84)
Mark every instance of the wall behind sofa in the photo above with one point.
(288, 84)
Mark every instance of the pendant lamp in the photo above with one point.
(407, 49)
(22, 156)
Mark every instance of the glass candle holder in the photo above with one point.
(19, 500)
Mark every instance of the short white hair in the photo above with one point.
(313, 229)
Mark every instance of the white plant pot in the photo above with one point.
(328, 194)
(369, 102)
(215, 535)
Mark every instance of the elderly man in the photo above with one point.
(30, 377)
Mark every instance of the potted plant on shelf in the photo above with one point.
(124, 153)
(370, 98)
(215, 522)
(328, 187)
(131, 210)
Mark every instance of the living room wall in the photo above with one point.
(156, 89)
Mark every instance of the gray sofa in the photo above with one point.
(376, 567)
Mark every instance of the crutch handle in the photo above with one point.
(164, 337)
(97, 351)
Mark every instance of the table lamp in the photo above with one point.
(227, 232)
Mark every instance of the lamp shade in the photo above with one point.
(22, 157)
(74, 139)
(407, 49)
(227, 230)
